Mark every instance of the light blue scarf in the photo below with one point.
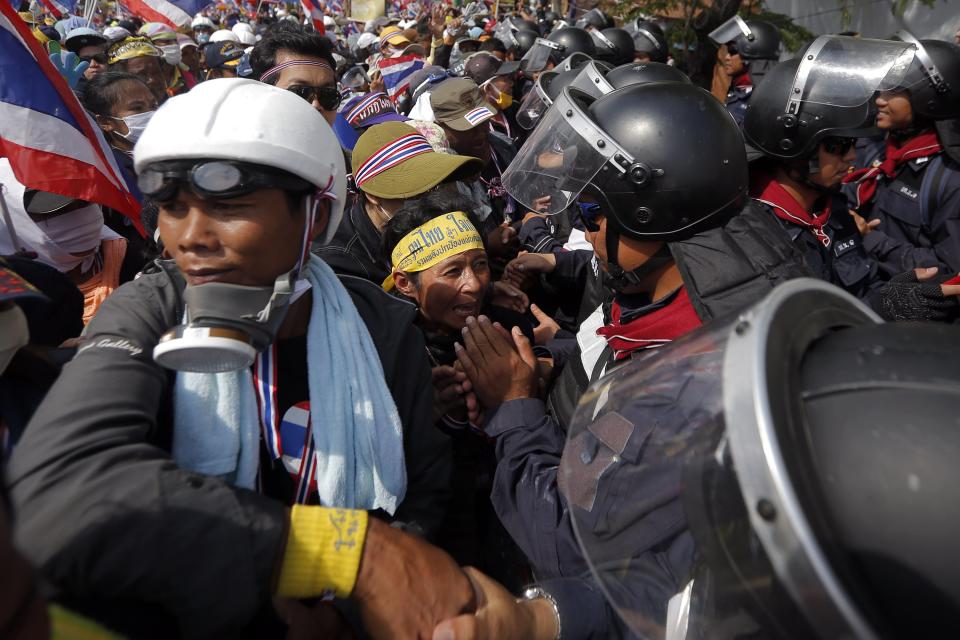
(354, 421)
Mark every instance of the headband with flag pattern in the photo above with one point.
(272, 71)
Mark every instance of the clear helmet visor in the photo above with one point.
(560, 158)
(848, 72)
(538, 56)
(534, 105)
(729, 31)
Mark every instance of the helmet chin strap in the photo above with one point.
(620, 280)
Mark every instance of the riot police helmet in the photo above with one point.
(614, 45)
(573, 40)
(643, 73)
(649, 39)
(813, 448)
(613, 149)
(520, 41)
(753, 39)
(934, 79)
(828, 90)
(596, 19)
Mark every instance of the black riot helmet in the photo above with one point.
(754, 39)
(644, 73)
(595, 18)
(934, 78)
(827, 91)
(614, 45)
(573, 40)
(814, 450)
(551, 18)
(649, 39)
(615, 150)
(520, 41)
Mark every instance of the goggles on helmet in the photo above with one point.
(214, 179)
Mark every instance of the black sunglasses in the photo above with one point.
(590, 215)
(214, 179)
(732, 49)
(328, 95)
(838, 146)
(99, 58)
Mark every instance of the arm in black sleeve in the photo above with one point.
(101, 507)
(429, 452)
(537, 235)
(572, 270)
(525, 494)
(584, 611)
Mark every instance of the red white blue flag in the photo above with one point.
(175, 13)
(52, 144)
(315, 12)
(396, 73)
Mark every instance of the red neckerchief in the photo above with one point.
(742, 80)
(924, 144)
(651, 330)
(770, 192)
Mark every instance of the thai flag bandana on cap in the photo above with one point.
(478, 115)
(391, 155)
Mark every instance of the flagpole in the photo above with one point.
(8, 222)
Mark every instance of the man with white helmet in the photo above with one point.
(202, 29)
(160, 436)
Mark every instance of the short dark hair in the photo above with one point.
(103, 91)
(419, 211)
(493, 44)
(288, 36)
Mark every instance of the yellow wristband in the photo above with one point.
(323, 552)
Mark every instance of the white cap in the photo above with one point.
(328, 21)
(224, 34)
(241, 27)
(246, 38)
(116, 33)
(201, 21)
(248, 121)
(366, 39)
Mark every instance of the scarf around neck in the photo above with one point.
(895, 154)
(767, 190)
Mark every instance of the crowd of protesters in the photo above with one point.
(377, 266)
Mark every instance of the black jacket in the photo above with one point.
(354, 249)
(919, 213)
(108, 517)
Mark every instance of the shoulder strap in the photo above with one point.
(930, 188)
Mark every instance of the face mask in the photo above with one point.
(202, 37)
(14, 334)
(500, 99)
(171, 54)
(135, 125)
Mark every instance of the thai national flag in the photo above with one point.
(396, 73)
(52, 144)
(176, 13)
(313, 10)
(298, 455)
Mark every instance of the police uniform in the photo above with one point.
(919, 213)
(738, 97)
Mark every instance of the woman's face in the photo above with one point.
(451, 291)
(894, 110)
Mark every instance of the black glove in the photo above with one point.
(906, 298)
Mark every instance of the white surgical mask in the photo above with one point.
(14, 334)
(202, 38)
(135, 125)
(171, 54)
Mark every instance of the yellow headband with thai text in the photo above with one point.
(432, 242)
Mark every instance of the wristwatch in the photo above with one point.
(536, 593)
